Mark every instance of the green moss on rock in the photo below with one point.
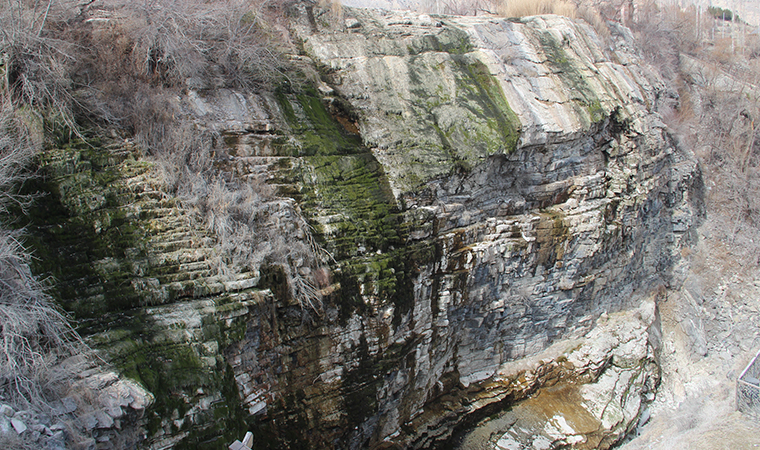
(588, 104)
(449, 39)
(444, 126)
(315, 129)
(382, 278)
(116, 250)
(353, 199)
(80, 234)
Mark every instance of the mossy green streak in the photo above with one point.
(580, 90)
(93, 234)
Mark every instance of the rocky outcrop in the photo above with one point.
(139, 277)
(594, 395)
(530, 239)
(489, 189)
(101, 410)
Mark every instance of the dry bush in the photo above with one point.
(253, 229)
(573, 10)
(171, 41)
(37, 63)
(334, 6)
(728, 129)
(719, 120)
(250, 226)
(721, 52)
(20, 137)
(752, 48)
(34, 334)
(35, 99)
(662, 34)
(231, 35)
(522, 8)
(594, 18)
(135, 64)
(140, 63)
(507, 8)
(587, 10)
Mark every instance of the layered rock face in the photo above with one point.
(532, 237)
(488, 189)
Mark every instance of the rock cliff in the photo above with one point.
(495, 193)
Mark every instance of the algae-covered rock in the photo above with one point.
(483, 189)
(432, 99)
(434, 105)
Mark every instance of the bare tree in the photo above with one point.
(37, 64)
(34, 334)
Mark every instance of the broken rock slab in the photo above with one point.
(18, 425)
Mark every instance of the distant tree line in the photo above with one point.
(723, 14)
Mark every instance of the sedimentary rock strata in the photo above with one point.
(488, 189)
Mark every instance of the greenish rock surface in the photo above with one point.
(128, 264)
(435, 106)
(486, 189)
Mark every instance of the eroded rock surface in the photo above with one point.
(102, 410)
(488, 189)
(587, 405)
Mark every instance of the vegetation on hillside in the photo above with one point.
(118, 66)
(38, 342)
(35, 335)
(112, 68)
(722, 13)
(33, 332)
(714, 109)
(712, 70)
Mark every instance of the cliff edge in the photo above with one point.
(500, 202)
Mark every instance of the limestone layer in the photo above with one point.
(488, 189)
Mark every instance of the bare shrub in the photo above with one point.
(717, 116)
(594, 18)
(578, 9)
(173, 41)
(34, 334)
(20, 136)
(662, 36)
(334, 6)
(290, 245)
(521, 8)
(158, 48)
(728, 129)
(37, 63)
(170, 45)
(251, 227)
(137, 62)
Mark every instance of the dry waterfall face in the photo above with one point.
(501, 203)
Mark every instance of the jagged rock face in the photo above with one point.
(528, 239)
(101, 408)
(488, 189)
(591, 391)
